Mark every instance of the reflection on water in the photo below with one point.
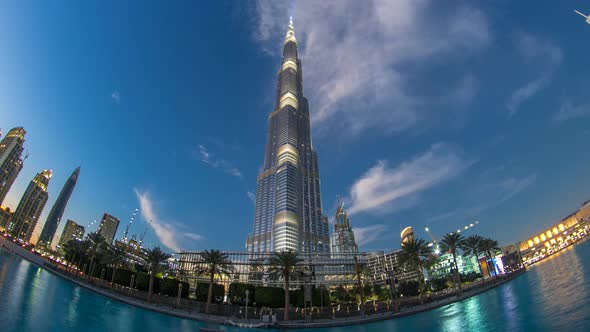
(552, 296)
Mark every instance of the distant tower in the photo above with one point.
(29, 208)
(11, 149)
(57, 210)
(108, 227)
(72, 231)
(343, 238)
(288, 212)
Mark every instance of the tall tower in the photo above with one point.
(29, 208)
(57, 210)
(288, 212)
(343, 237)
(11, 149)
(108, 227)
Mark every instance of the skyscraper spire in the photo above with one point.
(290, 35)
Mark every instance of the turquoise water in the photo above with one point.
(552, 296)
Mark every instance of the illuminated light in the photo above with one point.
(466, 227)
(531, 243)
(561, 227)
(288, 99)
(560, 239)
(553, 241)
(537, 241)
(549, 235)
(555, 231)
(543, 238)
(547, 244)
(289, 64)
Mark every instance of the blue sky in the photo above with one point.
(422, 114)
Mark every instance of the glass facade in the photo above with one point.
(288, 212)
(108, 227)
(29, 208)
(72, 231)
(343, 237)
(57, 210)
(11, 149)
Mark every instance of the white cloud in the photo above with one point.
(251, 197)
(568, 111)
(496, 194)
(166, 232)
(360, 57)
(544, 55)
(368, 234)
(116, 96)
(209, 159)
(386, 188)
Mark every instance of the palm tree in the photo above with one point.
(71, 249)
(96, 242)
(450, 243)
(489, 247)
(472, 246)
(154, 259)
(360, 271)
(414, 253)
(216, 262)
(116, 257)
(285, 263)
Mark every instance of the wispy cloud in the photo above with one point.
(208, 158)
(386, 188)
(368, 234)
(496, 194)
(568, 111)
(166, 232)
(116, 96)
(251, 197)
(366, 83)
(542, 54)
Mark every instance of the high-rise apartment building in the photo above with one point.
(343, 237)
(288, 212)
(11, 149)
(57, 210)
(29, 208)
(72, 231)
(108, 227)
(5, 215)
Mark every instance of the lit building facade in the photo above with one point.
(561, 235)
(11, 149)
(5, 215)
(288, 212)
(343, 237)
(72, 231)
(407, 235)
(29, 208)
(382, 266)
(58, 209)
(108, 227)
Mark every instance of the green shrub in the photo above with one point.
(202, 292)
(273, 297)
(237, 293)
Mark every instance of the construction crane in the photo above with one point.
(142, 237)
(125, 239)
(434, 242)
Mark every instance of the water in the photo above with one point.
(552, 296)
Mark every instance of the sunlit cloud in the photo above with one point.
(208, 158)
(536, 53)
(251, 197)
(167, 232)
(116, 96)
(384, 188)
(368, 234)
(361, 83)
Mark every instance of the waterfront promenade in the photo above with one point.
(230, 314)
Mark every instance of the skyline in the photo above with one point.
(504, 153)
